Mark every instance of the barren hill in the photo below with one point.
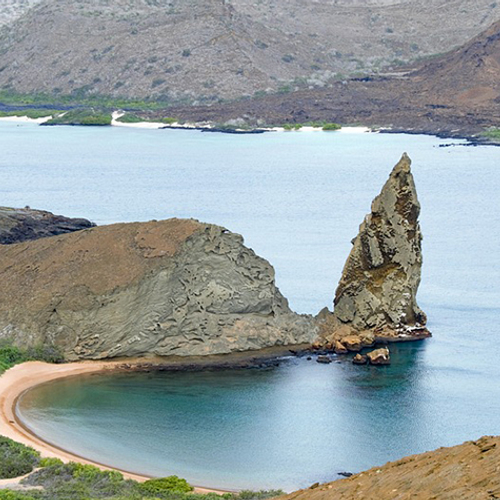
(174, 287)
(457, 93)
(468, 76)
(10, 10)
(213, 49)
(470, 471)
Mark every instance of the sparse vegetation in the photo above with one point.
(31, 113)
(81, 117)
(130, 118)
(169, 120)
(55, 480)
(492, 133)
(11, 355)
(42, 101)
(331, 126)
(16, 459)
(292, 126)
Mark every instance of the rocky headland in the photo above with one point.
(174, 287)
(24, 224)
(185, 288)
(376, 297)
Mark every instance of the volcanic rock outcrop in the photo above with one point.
(23, 224)
(378, 287)
(174, 287)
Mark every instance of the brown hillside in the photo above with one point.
(212, 49)
(468, 76)
(174, 287)
(470, 471)
(456, 93)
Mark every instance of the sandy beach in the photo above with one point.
(25, 119)
(20, 378)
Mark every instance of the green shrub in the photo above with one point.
(292, 126)
(492, 133)
(16, 459)
(169, 120)
(50, 461)
(80, 481)
(172, 484)
(15, 495)
(11, 355)
(331, 126)
(130, 118)
(81, 117)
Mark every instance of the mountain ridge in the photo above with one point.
(221, 49)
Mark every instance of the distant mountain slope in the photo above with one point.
(457, 93)
(212, 49)
(12, 9)
(468, 76)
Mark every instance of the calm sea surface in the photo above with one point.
(298, 198)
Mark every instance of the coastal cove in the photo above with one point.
(298, 200)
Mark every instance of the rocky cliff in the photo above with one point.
(23, 224)
(376, 295)
(175, 287)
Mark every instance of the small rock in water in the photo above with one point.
(379, 357)
(345, 474)
(323, 359)
(360, 359)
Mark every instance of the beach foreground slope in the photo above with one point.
(470, 471)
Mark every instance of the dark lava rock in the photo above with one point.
(345, 474)
(23, 224)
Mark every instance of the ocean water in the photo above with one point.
(298, 198)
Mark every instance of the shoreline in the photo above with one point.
(201, 126)
(23, 377)
(472, 140)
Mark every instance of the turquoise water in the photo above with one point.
(298, 199)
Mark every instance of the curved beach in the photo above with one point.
(23, 377)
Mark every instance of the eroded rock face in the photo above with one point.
(380, 279)
(23, 224)
(175, 287)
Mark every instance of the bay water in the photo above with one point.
(298, 199)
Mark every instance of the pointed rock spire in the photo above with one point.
(378, 287)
